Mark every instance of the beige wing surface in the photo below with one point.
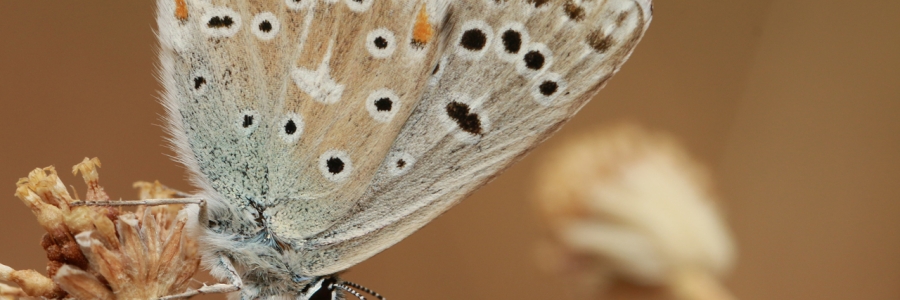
(284, 110)
(509, 74)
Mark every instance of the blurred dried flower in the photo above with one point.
(625, 203)
(102, 252)
(10, 293)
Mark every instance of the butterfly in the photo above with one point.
(323, 131)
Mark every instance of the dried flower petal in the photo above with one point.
(31, 282)
(82, 285)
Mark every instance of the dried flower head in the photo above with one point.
(10, 293)
(627, 203)
(102, 252)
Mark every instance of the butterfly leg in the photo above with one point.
(235, 282)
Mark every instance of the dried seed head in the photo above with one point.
(10, 293)
(102, 252)
(631, 203)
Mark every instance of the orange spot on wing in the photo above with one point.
(422, 30)
(181, 11)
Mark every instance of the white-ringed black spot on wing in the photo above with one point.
(512, 41)
(359, 5)
(265, 26)
(220, 22)
(298, 4)
(290, 128)
(380, 43)
(466, 120)
(463, 117)
(547, 88)
(335, 165)
(247, 122)
(382, 105)
(473, 38)
(534, 59)
(399, 163)
(512, 38)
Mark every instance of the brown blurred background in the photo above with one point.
(794, 105)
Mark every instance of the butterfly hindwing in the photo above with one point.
(510, 73)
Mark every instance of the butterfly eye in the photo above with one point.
(380, 43)
(335, 165)
(291, 128)
(474, 37)
(548, 88)
(220, 22)
(248, 122)
(265, 26)
(382, 105)
(399, 163)
(513, 37)
(536, 59)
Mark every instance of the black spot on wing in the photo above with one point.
(534, 60)
(473, 39)
(220, 22)
(466, 120)
(335, 165)
(512, 41)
